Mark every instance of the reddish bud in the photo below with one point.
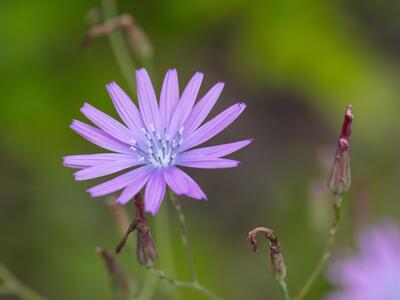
(339, 179)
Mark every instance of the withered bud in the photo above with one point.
(339, 179)
(146, 251)
(277, 262)
(122, 284)
(138, 40)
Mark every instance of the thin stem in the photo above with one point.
(328, 250)
(163, 238)
(285, 291)
(184, 284)
(122, 219)
(118, 45)
(148, 287)
(184, 234)
(14, 286)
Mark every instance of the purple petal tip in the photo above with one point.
(242, 105)
(140, 71)
(91, 193)
(73, 124)
(199, 74)
(119, 202)
(151, 212)
(220, 85)
(110, 85)
(65, 161)
(85, 107)
(249, 141)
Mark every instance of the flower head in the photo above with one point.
(155, 139)
(374, 271)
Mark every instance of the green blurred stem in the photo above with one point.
(148, 287)
(184, 234)
(282, 285)
(185, 284)
(12, 285)
(163, 237)
(194, 283)
(118, 44)
(328, 250)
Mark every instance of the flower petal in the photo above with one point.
(169, 97)
(132, 189)
(154, 192)
(207, 163)
(201, 110)
(119, 182)
(107, 124)
(176, 181)
(213, 127)
(89, 160)
(194, 190)
(214, 151)
(126, 109)
(106, 169)
(147, 101)
(99, 137)
(185, 104)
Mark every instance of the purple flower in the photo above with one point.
(156, 138)
(372, 273)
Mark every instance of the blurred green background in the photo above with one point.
(297, 64)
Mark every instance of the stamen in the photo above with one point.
(159, 150)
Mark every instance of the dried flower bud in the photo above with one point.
(122, 285)
(146, 252)
(339, 179)
(137, 38)
(277, 262)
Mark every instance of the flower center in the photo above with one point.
(160, 150)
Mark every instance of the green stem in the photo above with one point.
(163, 237)
(184, 234)
(328, 250)
(184, 284)
(118, 45)
(285, 291)
(14, 286)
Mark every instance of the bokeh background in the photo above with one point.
(297, 64)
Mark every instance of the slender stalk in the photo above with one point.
(163, 238)
(14, 286)
(277, 261)
(184, 284)
(328, 250)
(118, 44)
(184, 234)
(284, 289)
